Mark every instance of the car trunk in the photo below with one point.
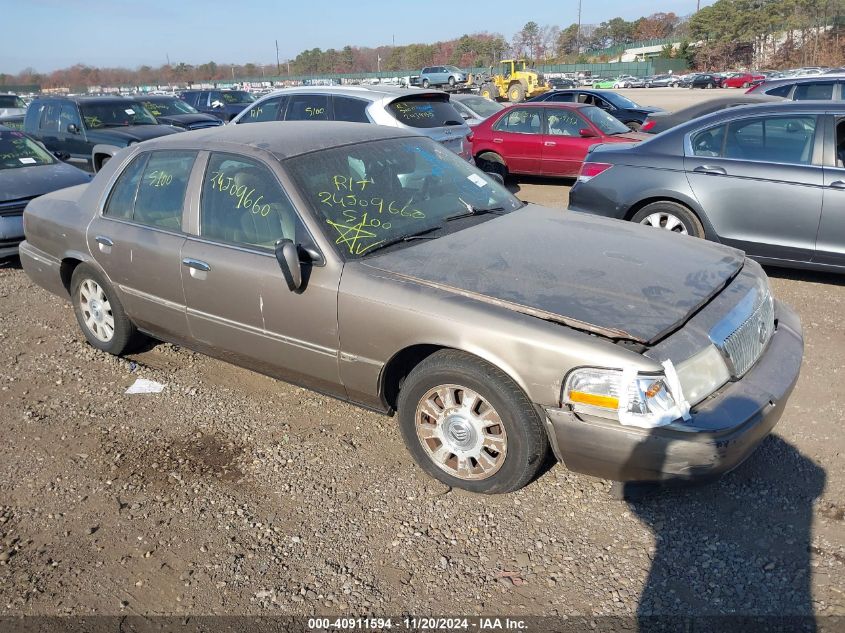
(433, 115)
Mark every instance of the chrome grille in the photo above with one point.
(745, 344)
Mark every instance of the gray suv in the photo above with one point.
(426, 112)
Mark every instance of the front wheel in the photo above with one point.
(100, 314)
(469, 425)
(669, 216)
(451, 81)
(488, 92)
(709, 86)
(745, 85)
(425, 83)
(516, 93)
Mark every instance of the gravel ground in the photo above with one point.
(233, 493)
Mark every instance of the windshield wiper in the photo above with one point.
(419, 235)
(471, 211)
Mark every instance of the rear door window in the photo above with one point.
(567, 97)
(161, 192)
(780, 139)
(121, 202)
(822, 90)
(308, 108)
(427, 111)
(268, 110)
(521, 121)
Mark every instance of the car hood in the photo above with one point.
(613, 278)
(28, 182)
(134, 132)
(188, 120)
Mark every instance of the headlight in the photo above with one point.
(631, 398)
(702, 374)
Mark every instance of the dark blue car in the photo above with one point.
(224, 104)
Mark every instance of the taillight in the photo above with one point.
(591, 170)
(647, 125)
(469, 137)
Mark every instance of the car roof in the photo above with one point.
(373, 92)
(779, 81)
(80, 99)
(283, 139)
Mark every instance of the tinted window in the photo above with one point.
(161, 192)
(122, 198)
(565, 97)
(521, 121)
(709, 142)
(68, 115)
(46, 123)
(775, 139)
(265, 111)
(101, 114)
(11, 101)
(348, 109)
(811, 91)
(780, 91)
(17, 150)
(607, 123)
(167, 107)
(425, 112)
(308, 108)
(366, 194)
(243, 202)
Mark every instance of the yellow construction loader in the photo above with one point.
(516, 82)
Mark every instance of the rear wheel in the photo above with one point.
(745, 85)
(669, 216)
(634, 126)
(468, 424)
(492, 164)
(709, 85)
(516, 93)
(425, 83)
(99, 312)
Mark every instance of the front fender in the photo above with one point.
(101, 150)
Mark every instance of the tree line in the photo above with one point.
(726, 34)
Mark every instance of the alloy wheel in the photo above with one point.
(96, 310)
(667, 221)
(461, 432)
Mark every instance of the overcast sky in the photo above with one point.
(51, 34)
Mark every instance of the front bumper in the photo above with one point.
(744, 411)
(11, 234)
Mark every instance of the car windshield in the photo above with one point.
(17, 150)
(426, 111)
(607, 123)
(619, 101)
(168, 107)
(370, 194)
(11, 101)
(115, 114)
(482, 106)
(236, 96)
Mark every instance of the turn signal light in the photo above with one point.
(595, 400)
(591, 170)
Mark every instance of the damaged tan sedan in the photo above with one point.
(379, 268)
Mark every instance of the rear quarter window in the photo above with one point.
(424, 112)
(779, 91)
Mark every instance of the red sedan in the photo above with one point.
(545, 138)
(742, 80)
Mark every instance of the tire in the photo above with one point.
(425, 83)
(489, 92)
(492, 164)
(491, 417)
(516, 93)
(709, 86)
(745, 85)
(451, 81)
(671, 216)
(98, 310)
(634, 126)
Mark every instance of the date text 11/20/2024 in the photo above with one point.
(414, 623)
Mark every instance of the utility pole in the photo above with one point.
(278, 66)
(578, 32)
(378, 62)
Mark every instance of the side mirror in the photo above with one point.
(61, 155)
(288, 258)
(586, 133)
(72, 129)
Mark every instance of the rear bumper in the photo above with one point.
(11, 234)
(43, 269)
(745, 411)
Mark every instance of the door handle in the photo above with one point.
(837, 184)
(497, 140)
(710, 169)
(550, 144)
(196, 264)
(105, 241)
